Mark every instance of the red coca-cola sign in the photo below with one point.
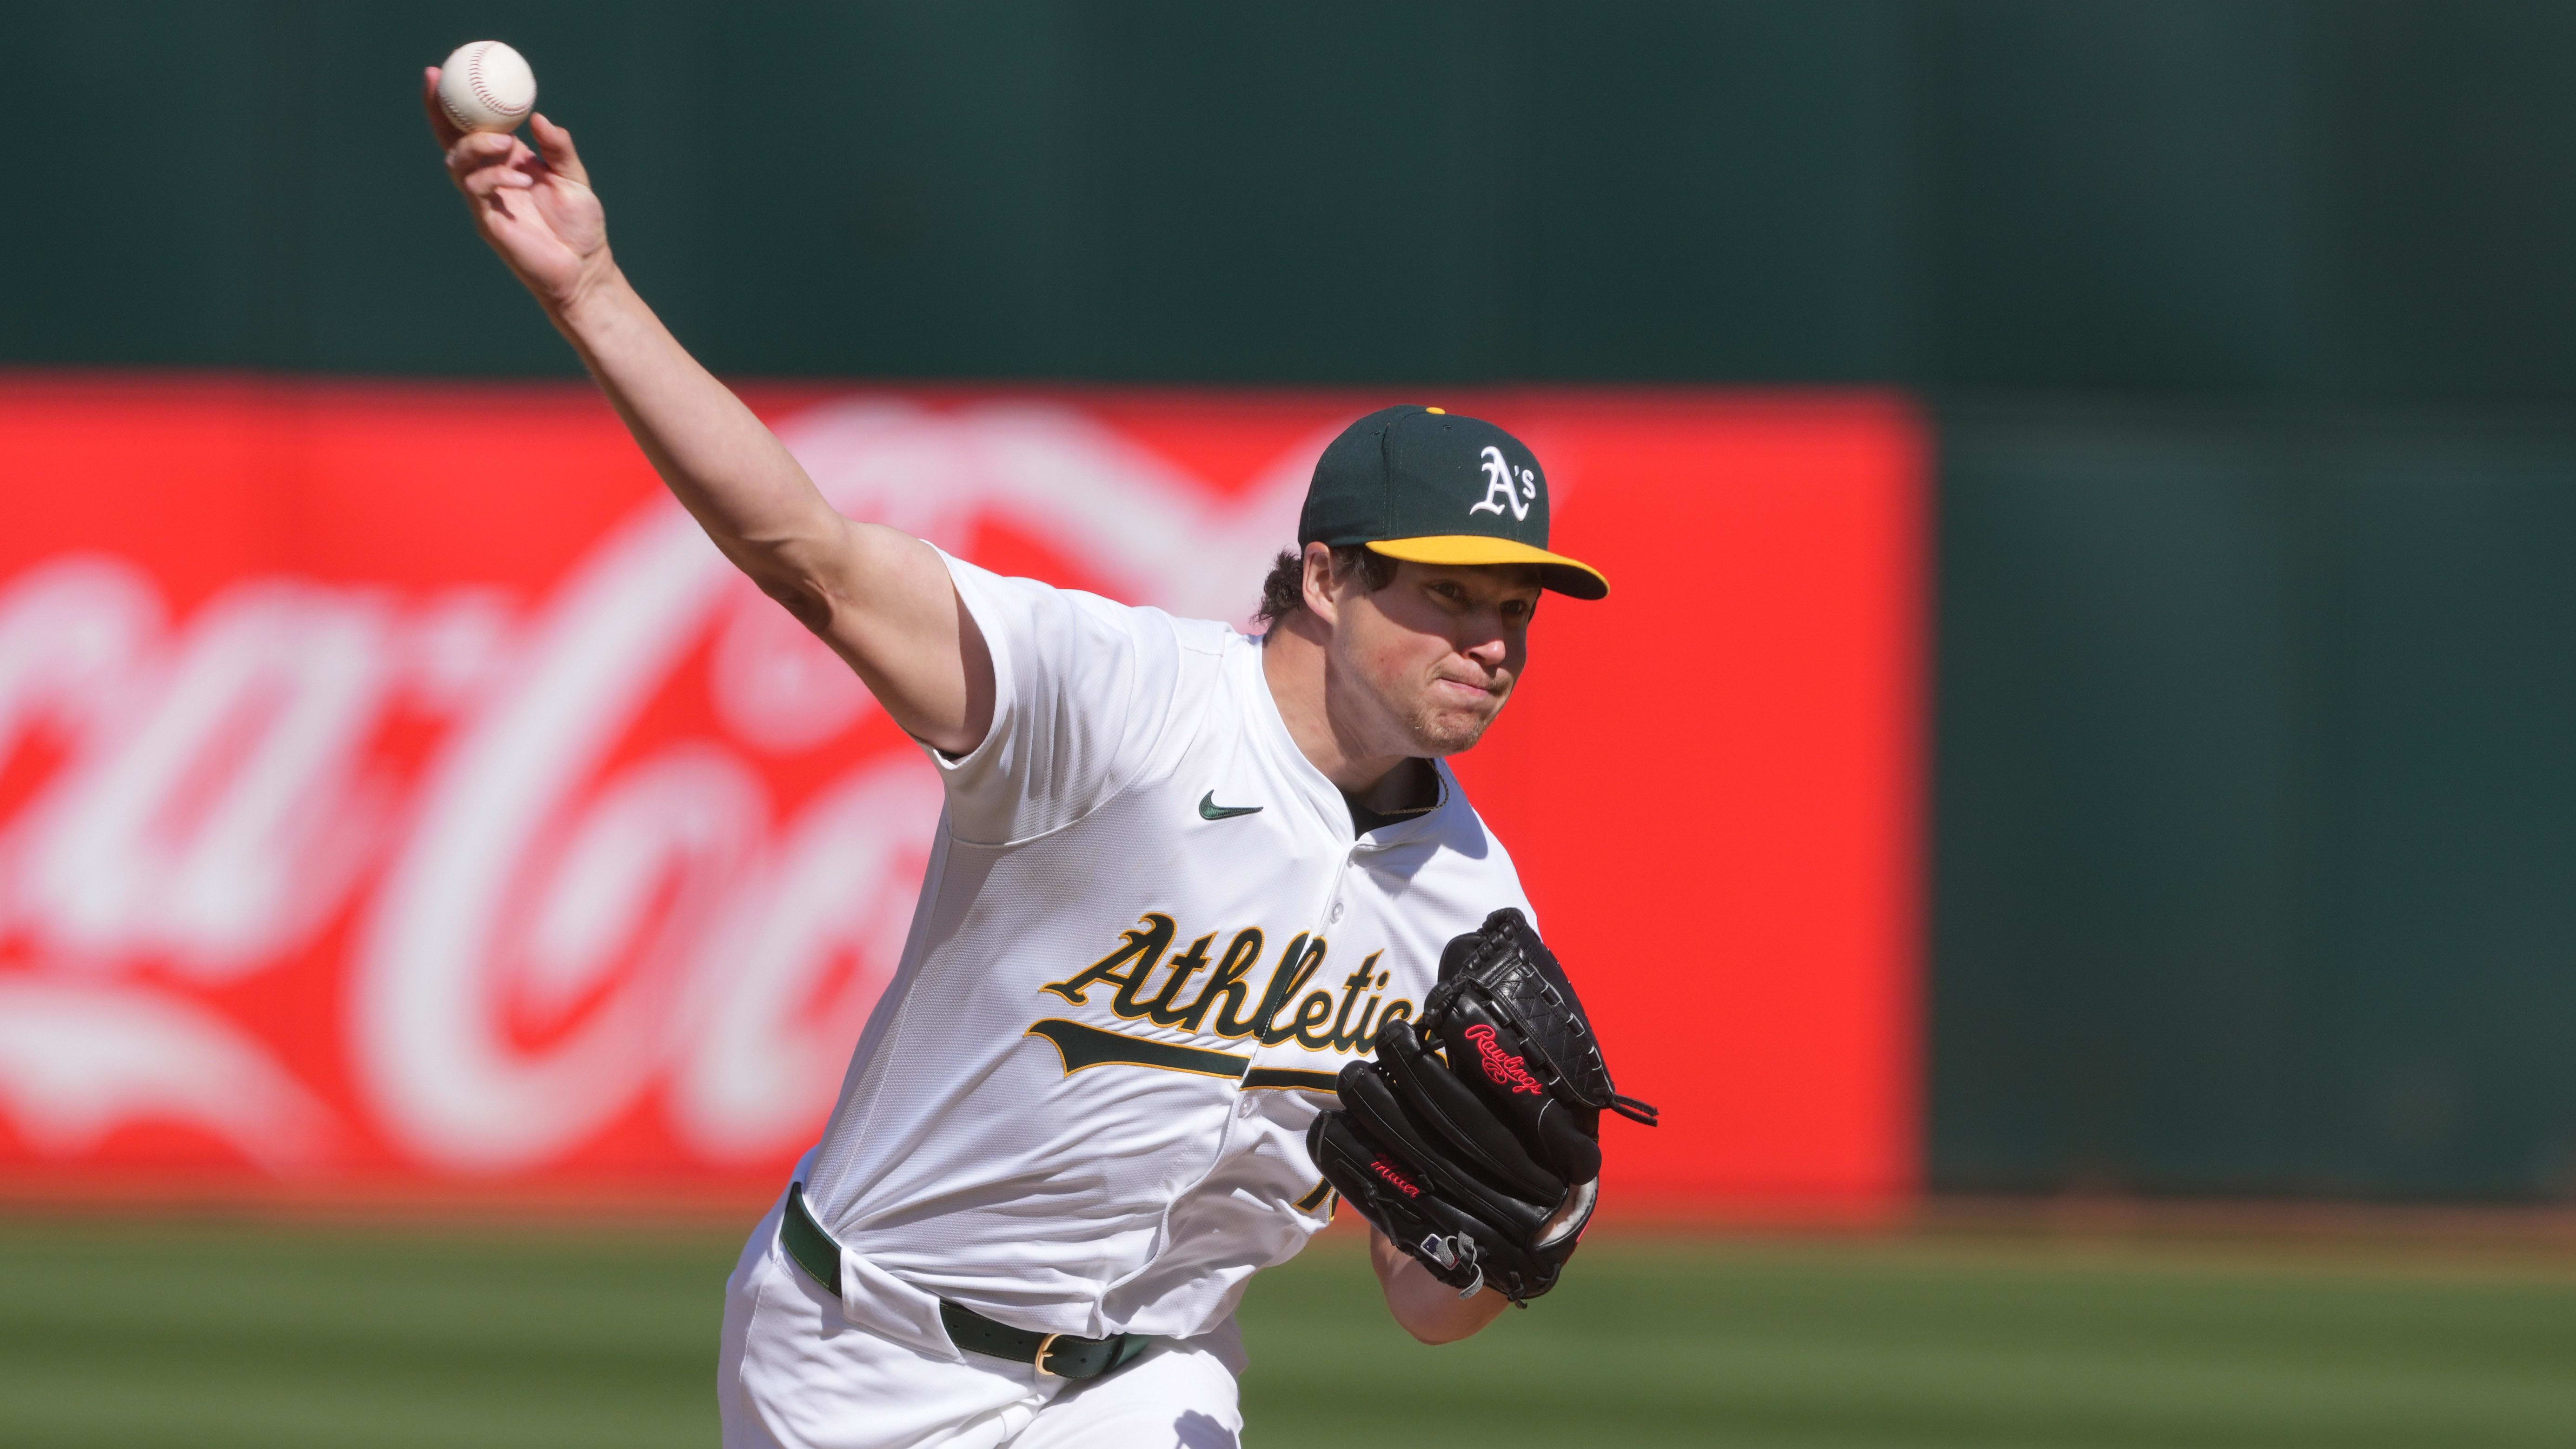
(397, 789)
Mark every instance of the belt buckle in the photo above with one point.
(1046, 1346)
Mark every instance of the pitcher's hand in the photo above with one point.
(536, 207)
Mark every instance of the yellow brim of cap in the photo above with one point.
(1566, 576)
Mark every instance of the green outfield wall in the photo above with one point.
(2197, 195)
(2250, 331)
(2255, 810)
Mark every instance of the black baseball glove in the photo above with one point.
(1473, 1140)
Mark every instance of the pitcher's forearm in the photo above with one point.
(1424, 1306)
(881, 599)
(721, 462)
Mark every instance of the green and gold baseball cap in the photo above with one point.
(1427, 485)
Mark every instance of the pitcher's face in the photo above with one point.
(1433, 656)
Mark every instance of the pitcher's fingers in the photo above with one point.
(483, 183)
(477, 150)
(439, 126)
(556, 144)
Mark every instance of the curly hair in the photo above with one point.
(1283, 593)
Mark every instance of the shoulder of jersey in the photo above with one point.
(1465, 819)
(1206, 635)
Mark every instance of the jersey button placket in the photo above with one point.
(1354, 868)
(1334, 908)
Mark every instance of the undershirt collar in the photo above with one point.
(1364, 820)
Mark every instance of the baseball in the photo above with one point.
(487, 86)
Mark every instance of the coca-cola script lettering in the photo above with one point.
(399, 795)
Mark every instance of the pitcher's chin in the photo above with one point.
(1451, 732)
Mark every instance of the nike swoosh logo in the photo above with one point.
(1210, 810)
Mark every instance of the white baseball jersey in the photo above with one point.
(1146, 943)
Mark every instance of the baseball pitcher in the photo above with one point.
(1210, 939)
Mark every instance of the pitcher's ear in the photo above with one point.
(1320, 581)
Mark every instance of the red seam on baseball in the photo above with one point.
(483, 93)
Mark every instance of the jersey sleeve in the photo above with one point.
(1082, 687)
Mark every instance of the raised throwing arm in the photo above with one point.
(879, 597)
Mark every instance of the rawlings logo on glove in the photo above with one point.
(1472, 1140)
(1504, 1068)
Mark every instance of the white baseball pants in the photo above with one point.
(798, 1373)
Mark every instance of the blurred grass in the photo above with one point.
(217, 1336)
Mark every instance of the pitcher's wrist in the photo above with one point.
(596, 297)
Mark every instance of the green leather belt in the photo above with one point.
(1059, 1354)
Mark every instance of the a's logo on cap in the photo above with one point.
(1499, 489)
